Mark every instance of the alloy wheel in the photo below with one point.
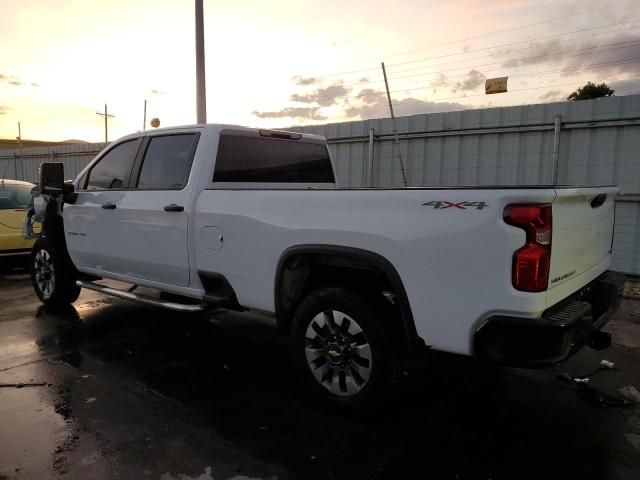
(338, 353)
(44, 273)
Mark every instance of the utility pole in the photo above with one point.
(201, 94)
(106, 116)
(393, 122)
(144, 117)
(15, 165)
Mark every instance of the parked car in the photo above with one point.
(14, 199)
(361, 280)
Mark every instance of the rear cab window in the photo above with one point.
(251, 157)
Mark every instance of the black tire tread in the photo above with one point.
(65, 291)
(355, 305)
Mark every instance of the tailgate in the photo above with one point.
(583, 221)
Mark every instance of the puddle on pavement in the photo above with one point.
(31, 424)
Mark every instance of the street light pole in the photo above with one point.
(201, 94)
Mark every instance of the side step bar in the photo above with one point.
(180, 307)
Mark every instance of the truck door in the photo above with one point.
(93, 229)
(154, 212)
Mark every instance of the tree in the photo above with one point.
(589, 91)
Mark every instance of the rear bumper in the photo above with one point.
(560, 332)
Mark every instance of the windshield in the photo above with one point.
(14, 196)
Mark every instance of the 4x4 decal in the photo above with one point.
(441, 205)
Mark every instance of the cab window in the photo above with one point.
(167, 162)
(110, 173)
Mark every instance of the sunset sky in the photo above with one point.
(290, 62)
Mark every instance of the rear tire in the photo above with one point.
(52, 274)
(340, 349)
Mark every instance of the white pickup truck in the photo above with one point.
(362, 280)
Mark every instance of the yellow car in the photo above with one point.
(14, 199)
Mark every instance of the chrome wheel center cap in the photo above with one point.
(334, 353)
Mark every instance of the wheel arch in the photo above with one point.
(351, 257)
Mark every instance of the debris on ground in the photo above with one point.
(626, 395)
(629, 393)
(599, 398)
(21, 385)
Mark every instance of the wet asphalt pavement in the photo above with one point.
(132, 391)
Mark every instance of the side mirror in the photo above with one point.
(52, 178)
(69, 194)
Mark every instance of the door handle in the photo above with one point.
(109, 206)
(174, 208)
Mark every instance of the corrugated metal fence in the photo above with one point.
(24, 164)
(587, 142)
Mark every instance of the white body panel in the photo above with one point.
(455, 264)
(136, 239)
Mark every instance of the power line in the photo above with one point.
(575, 82)
(545, 37)
(508, 44)
(467, 39)
(624, 61)
(597, 49)
(615, 45)
(491, 34)
(499, 46)
(376, 94)
(527, 89)
(526, 74)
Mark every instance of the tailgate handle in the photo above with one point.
(598, 200)
(109, 206)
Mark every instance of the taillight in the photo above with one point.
(531, 263)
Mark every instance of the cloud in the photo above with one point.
(440, 81)
(304, 81)
(606, 56)
(322, 96)
(16, 82)
(369, 96)
(158, 92)
(472, 81)
(303, 113)
(627, 86)
(553, 96)
(4, 109)
(374, 105)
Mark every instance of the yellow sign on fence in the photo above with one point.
(495, 85)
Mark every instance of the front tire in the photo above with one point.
(340, 349)
(52, 274)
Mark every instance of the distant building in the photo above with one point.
(12, 144)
